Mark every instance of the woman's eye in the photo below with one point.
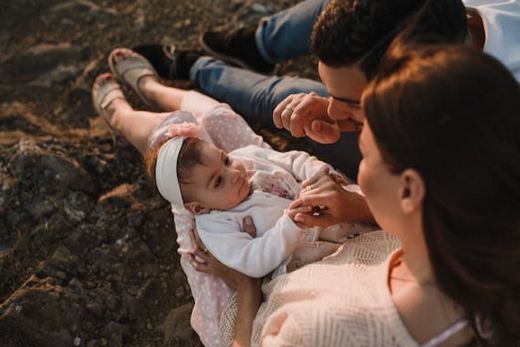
(218, 181)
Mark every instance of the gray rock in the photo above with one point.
(41, 209)
(81, 5)
(177, 324)
(259, 8)
(37, 63)
(77, 205)
(36, 166)
(4, 39)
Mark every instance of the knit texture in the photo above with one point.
(342, 300)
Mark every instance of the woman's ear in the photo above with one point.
(412, 191)
(196, 208)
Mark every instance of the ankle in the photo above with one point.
(118, 110)
(146, 86)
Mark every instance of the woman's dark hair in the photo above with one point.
(360, 31)
(453, 114)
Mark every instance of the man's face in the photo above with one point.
(345, 86)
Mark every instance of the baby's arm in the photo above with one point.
(300, 164)
(255, 257)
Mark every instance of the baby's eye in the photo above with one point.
(218, 181)
(227, 161)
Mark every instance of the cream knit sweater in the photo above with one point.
(342, 300)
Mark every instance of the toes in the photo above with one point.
(99, 81)
(103, 79)
(120, 54)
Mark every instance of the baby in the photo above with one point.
(221, 189)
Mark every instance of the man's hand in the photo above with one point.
(329, 202)
(306, 115)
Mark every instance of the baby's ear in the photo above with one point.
(195, 207)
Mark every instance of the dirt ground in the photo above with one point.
(87, 249)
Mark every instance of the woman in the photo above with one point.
(441, 173)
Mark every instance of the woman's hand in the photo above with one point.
(330, 203)
(249, 295)
(211, 265)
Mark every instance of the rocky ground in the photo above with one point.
(87, 249)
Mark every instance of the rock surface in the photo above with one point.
(87, 249)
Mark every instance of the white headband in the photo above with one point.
(166, 170)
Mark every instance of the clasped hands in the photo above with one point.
(323, 202)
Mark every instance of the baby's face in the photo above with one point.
(219, 183)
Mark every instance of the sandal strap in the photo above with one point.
(110, 96)
(106, 93)
(169, 52)
(132, 69)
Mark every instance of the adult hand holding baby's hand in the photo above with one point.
(329, 203)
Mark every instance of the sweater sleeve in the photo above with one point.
(282, 330)
(255, 257)
(300, 164)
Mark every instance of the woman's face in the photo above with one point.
(380, 186)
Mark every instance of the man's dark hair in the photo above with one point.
(352, 31)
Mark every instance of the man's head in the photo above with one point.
(351, 36)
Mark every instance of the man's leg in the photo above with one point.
(287, 34)
(282, 36)
(252, 95)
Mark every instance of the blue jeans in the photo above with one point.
(287, 34)
(254, 96)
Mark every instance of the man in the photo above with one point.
(350, 33)
(349, 39)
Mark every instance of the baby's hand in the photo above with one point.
(292, 212)
(184, 129)
(339, 179)
(249, 226)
